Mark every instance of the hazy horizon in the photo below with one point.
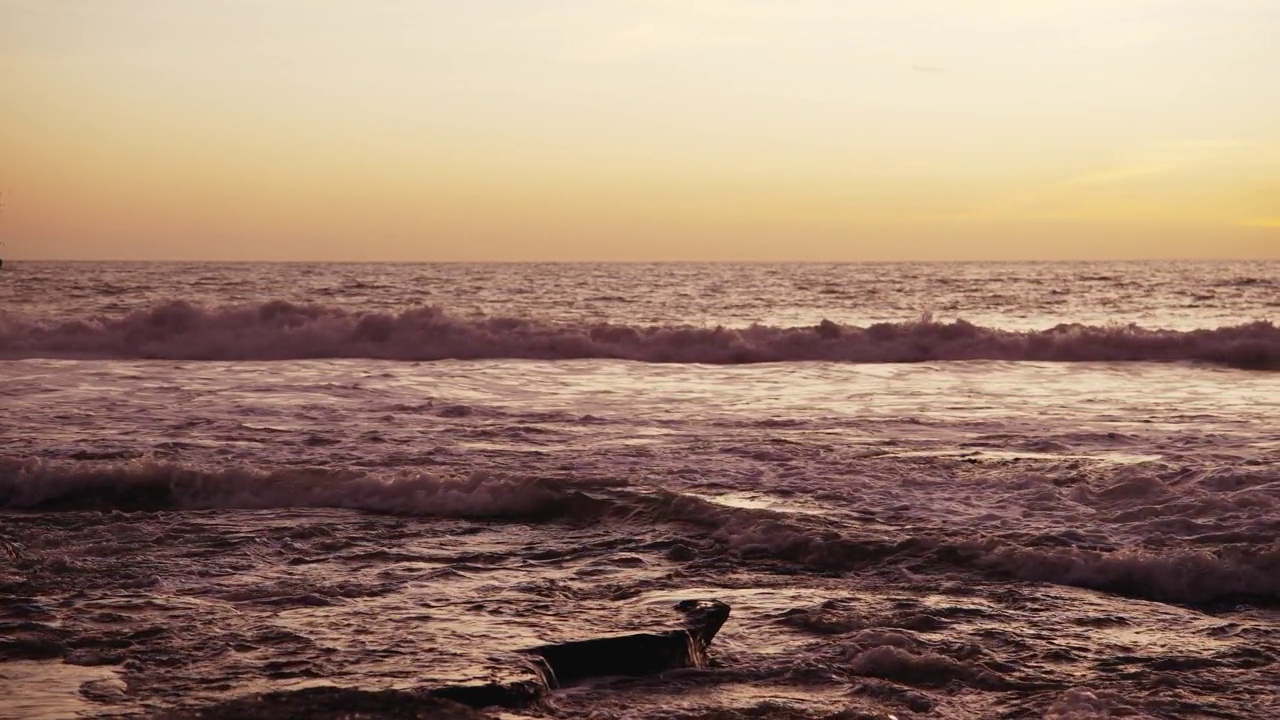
(340, 261)
(640, 131)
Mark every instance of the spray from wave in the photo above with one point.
(279, 330)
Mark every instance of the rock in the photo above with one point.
(636, 654)
(528, 675)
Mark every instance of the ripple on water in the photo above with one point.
(54, 690)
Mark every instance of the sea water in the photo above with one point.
(960, 490)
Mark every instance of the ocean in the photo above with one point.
(952, 490)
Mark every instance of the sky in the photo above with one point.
(639, 130)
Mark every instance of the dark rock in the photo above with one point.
(525, 678)
(556, 665)
(637, 654)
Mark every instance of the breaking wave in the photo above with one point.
(280, 330)
(1179, 574)
(151, 486)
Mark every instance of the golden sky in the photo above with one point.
(639, 129)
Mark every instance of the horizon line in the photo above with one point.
(1010, 261)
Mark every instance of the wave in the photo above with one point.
(151, 486)
(1235, 570)
(1192, 576)
(279, 330)
(1187, 574)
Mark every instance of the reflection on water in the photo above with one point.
(54, 690)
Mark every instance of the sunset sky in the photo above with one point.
(639, 129)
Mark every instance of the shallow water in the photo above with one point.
(957, 538)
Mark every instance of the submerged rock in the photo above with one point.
(559, 664)
(639, 653)
(532, 673)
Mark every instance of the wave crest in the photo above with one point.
(279, 330)
(1181, 575)
(149, 486)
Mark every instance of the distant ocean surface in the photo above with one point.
(955, 490)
